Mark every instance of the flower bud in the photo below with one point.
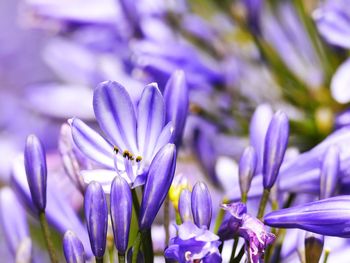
(201, 205)
(313, 247)
(276, 142)
(185, 206)
(329, 172)
(121, 210)
(247, 166)
(96, 213)
(73, 249)
(36, 170)
(160, 176)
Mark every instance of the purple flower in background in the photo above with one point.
(250, 228)
(73, 248)
(13, 220)
(247, 167)
(276, 142)
(133, 137)
(193, 244)
(201, 205)
(96, 213)
(330, 217)
(36, 170)
(184, 206)
(329, 172)
(161, 174)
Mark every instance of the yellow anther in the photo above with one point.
(138, 159)
(116, 149)
(127, 154)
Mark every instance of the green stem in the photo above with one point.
(99, 260)
(244, 198)
(47, 236)
(234, 248)
(147, 245)
(178, 218)
(121, 258)
(326, 254)
(218, 220)
(239, 256)
(166, 220)
(135, 202)
(136, 247)
(263, 203)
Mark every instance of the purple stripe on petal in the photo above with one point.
(115, 114)
(151, 117)
(91, 143)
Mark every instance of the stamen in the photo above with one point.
(116, 149)
(127, 154)
(138, 159)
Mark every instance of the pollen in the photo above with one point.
(116, 149)
(127, 154)
(138, 159)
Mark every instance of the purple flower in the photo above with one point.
(276, 142)
(36, 170)
(250, 228)
(184, 206)
(330, 217)
(161, 174)
(121, 210)
(201, 205)
(96, 213)
(247, 167)
(133, 137)
(329, 172)
(193, 244)
(13, 220)
(73, 248)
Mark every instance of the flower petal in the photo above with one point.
(91, 143)
(115, 114)
(151, 117)
(165, 137)
(340, 83)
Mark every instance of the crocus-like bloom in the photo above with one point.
(73, 249)
(185, 210)
(276, 142)
(36, 170)
(121, 210)
(330, 217)
(160, 176)
(193, 244)
(247, 167)
(329, 172)
(248, 227)
(96, 213)
(201, 205)
(13, 219)
(133, 137)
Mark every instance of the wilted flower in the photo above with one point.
(313, 247)
(250, 228)
(194, 244)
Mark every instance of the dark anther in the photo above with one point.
(138, 159)
(127, 154)
(116, 149)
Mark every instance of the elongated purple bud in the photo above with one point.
(177, 101)
(96, 213)
(160, 176)
(73, 249)
(201, 205)
(276, 142)
(329, 172)
(247, 168)
(185, 210)
(121, 210)
(313, 247)
(328, 217)
(36, 170)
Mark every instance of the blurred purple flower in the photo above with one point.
(250, 228)
(329, 173)
(73, 248)
(184, 206)
(201, 205)
(247, 167)
(193, 244)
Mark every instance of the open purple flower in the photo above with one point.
(250, 228)
(133, 136)
(193, 244)
(330, 217)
